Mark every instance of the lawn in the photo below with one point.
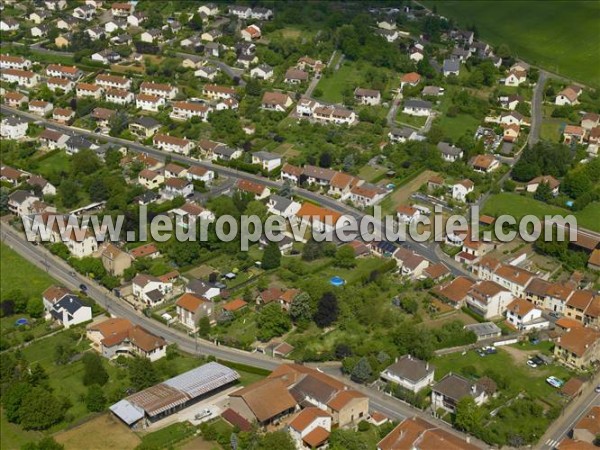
(18, 273)
(54, 163)
(410, 120)
(455, 127)
(561, 36)
(519, 206)
(166, 437)
(551, 130)
(521, 376)
(369, 172)
(13, 436)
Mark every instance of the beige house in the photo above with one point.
(114, 260)
(579, 347)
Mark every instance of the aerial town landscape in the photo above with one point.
(312, 113)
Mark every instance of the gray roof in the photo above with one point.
(79, 142)
(416, 103)
(403, 132)
(13, 121)
(280, 203)
(483, 329)
(19, 196)
(451, 65)
(456, 387)
(203, 379)
(267, 156)
(265, 67)
(448, 149)
(147, 122)
(70, 303)
(224, 150)
(127, 412)
(155, 295)
(410, 368)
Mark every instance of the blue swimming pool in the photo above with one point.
(337, 281)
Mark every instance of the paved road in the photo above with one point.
(537, 109)
(427, 249)
(570, 416)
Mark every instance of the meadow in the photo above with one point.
(559, 36)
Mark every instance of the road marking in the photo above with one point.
(552, 443)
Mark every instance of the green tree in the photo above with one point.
(204, 326)
(543, 193)
(272, 322)
(253, 87)
(12, 399)
(271, 256)
(68, 192)
(94, 399)
(256, 208)
(327, 310)
(85, 162)
(344, 257)
(47, 443)
(278, 440)
(312, 250)
(468, 415)
(348, 440)
(300, 308)
(195, 22)
(35, 307)
(362, 371)
(40, 410)
(142, 373)
(93, 370)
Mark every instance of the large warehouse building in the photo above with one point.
(172, 395)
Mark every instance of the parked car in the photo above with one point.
(531, 364)
(555, 382)
(537, 360)
(488, 349)
(83, 287)
(597, 389)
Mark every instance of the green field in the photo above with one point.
(17, 273)
(560, 36)
(410, 120)
(519, 206)
(455, 127)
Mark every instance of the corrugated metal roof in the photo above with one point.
(203, 379)
(127, 412)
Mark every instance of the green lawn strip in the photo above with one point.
(407, 119)
(166, 437)
(542, 36)
(13, 436)
(455, 127)
(18, 273)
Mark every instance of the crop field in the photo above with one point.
(541, 33)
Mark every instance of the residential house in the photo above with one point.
(63, 40)
(115, 25)
(259, 191)
(451, 67)
(276, 101)
(488, 299)
(11, 175)
(84, 12)
(412, 79)
(414, 54)
(148, 102)
(61, 71)
(410, 373)
(39, 30)
(573, 134)
(189, 212)
(283, 206)
(173, 170)
(291, 173)
(119, 96)
(172, 144)
(15, 99)
(415, 107)
(70, 310)
(341, 184)
(150, 179)
(451, 389)
(190, 308)
(579, 347)
(151, 36)
(13, 127)
(114, 337)
(577, 304)
(88, 90)
(318, 175)
(209, 9)
(370, 97)
(310, 428)
(40, 15)
(52, 295)
(515, 78)
(307, 63)
(320, 219)
(410, 263)
(215, 91)
(177, 187)
(250, 33)
(63, 84)
(401, 135)
(202, 289)
(55, 5)
(20, 202)
(144, 126)
(44, 185)
(113, 81)
(406, 214)
(549, 180)
(159, 89)
(568, 96)
(333, 114)
(187, 110)
(197, 173)
(295, 76)
(102, 116)
(259, 13)
(149, 289)
(121, 9)
(241, 12)
(587, 428)
(53, 139)
(115, 260)
(262, 72)
(67, 23)
(8, 24)
(40, 107)
(268, 161)
(461, 189)
(524, 316)
(418, 434)
(514, 278)
(145, 251)
(510, 132)
(23, 78)
(590, 121)
(207, 72)
(455, 291)
(484, 163)
(388, 35)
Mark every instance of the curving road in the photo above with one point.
(426, 249)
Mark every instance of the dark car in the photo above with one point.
(83, 287)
